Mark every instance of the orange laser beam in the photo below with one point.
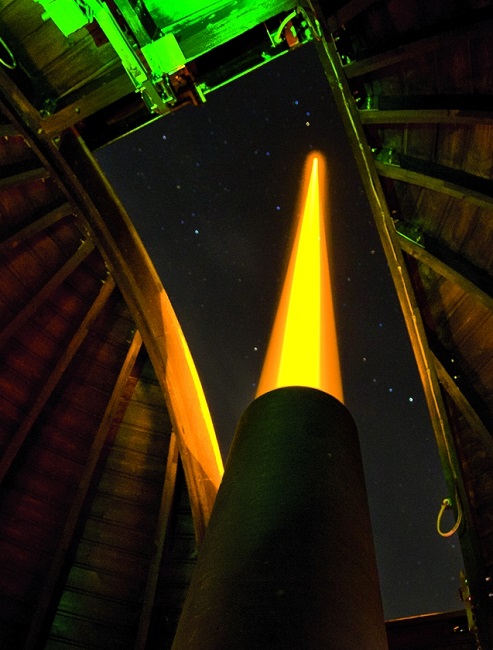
(303, 349)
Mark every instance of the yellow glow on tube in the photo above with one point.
(303, 345)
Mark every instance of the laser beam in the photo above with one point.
(303, 349)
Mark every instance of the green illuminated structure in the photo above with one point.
(166, 36)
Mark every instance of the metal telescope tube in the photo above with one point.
(288, 558)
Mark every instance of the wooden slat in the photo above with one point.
(349, 11)
(107, 92)
(431, 183)
(119, 524)
(160, 536)
(426, 116)
(134, 22)
(443, 269)
(37, 300)
(39, 622)
(36, 226)
(23, 177)
(7, 130)
(409, 51)
(463, 404)
(50, 383)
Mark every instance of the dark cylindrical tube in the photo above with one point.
(288, 558)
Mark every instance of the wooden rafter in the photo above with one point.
(445, 270)
(167, 498)
(426, 116)
(47, 220)
(53, 379)
(107, 92)
(405, 52)
(463, 404)
(23, 177)
(7, 130)
(432, 183)
(346, 13)
(33, 305)
(67, 540)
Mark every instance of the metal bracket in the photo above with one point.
(162, 56)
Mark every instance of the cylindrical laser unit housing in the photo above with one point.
(288, 558)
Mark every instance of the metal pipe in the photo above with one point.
(288, 558)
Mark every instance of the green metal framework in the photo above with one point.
(155, 42)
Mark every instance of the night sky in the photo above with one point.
(212, 192)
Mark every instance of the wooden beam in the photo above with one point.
(167, 499)
(14, 97)
(426, 116)
(52, 380)
(445, 270)
(33, 305)
(36, 226)
(67, 541)
(436, 184)
(466, 103)
(108, 91)
(99, 93)
(464, 405)
(134, 22)
(459, 177)
(405, 52)
(346, 13)
(8, 131)
(23, 177)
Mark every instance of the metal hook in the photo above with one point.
(13, 63)
(447, 505)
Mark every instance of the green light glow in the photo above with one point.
(164, 56)
(188, 29)
(201, 26)
(66, 15)
(178, 9)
